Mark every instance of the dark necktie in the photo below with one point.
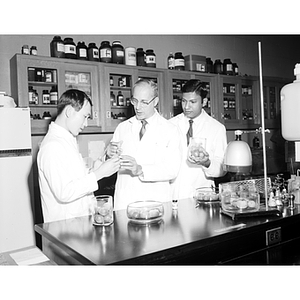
(190, 132)
(143, 129)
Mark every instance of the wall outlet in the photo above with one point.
(273, 236)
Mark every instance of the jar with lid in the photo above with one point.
(140, 57)
(57, 47)
(25, 49)
(218, 66)
(179, 61)
(70, 48)
(93, 52)
(33, 50)
(235, 69)
(209, 65)
(117, 51)
(105, 52)
(130, 56)
(53, 95)
(171, 61)
(46, 97)
(48, 76)
(227, 67)
(150, 58)
(81, 51)
(120, 99)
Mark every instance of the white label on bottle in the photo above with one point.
(106, 53)
(200, 67)
(70, 49)
(171, 63)
(95, 53)
(120, 53)
(82, 53)
(150, 59)
(229, 67)
(179, 62)
(60, 47)
(46, 98)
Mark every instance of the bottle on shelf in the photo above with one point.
(209, 65)
(70, 48)
(81, 51)
(53, 95)
(120, 99)
(105, 52)
(171, 61)
(130, 56)
(218, 66)
(46, 97)
(235, 69)
(33, 50)
(93, 52)
(179, 61)
(36, 97)
(117, 53)
(150, 58)
(140, 57)
(25, 49)
(31, 95)
(31, 74)
(227, 67)
(111, 81)
(112, 99)
(48, 76)
(57, 47)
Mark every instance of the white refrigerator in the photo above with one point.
(16, 184)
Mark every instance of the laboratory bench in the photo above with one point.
(190, 235)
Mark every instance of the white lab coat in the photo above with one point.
(159, 154)
(192, 176)
(66, 185)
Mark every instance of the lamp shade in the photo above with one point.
(238, 157)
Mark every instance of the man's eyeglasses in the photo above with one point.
(143, 103)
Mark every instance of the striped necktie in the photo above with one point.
(143, 129)
(190, 132)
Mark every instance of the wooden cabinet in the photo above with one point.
(271, 91)
(44, 73)
(232, 100)
(239, 105)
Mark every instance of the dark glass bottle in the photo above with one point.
(53, 95)
(93, 52)
(57, 47)
(171, 61)
(105, 52)
(140, 57)
(179, 61)
(120, 99)
(81, 51)
(33, 50)
(218, 66)
(70, 48)
(150, 58)
(209, 65)
(118, 53)
(227, 67)
(235, 69)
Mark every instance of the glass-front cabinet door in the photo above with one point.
(239, 105)
(115, 105)
(271, 92)
(38, 82)
(175, 82)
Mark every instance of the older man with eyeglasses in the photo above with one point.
(150, 150)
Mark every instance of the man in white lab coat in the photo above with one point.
(200, 171)
(150, 150)
(66, 184)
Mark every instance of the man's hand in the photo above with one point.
(129, 163)
(199, 157)
(113, 149)
(107, 168)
